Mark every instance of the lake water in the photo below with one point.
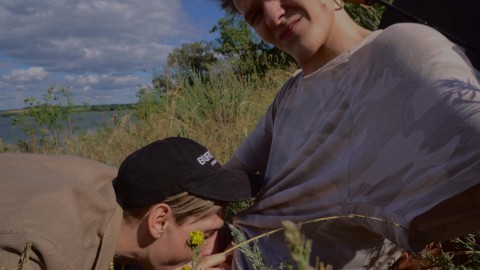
(80, 121)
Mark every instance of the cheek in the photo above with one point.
(180, 249)
(208, 248)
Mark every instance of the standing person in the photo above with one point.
(63, 212)
(382, 124)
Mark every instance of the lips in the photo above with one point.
(288, 30)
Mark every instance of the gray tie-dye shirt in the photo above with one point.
(387, 130)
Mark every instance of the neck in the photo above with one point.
(344, 35)
(128, 249)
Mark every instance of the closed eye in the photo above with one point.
(207, 234)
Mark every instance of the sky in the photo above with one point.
(101, 50)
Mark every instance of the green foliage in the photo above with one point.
(461, 253)
(251, 251)
(469, 248)
(192, 58)
(6, 148)
(300, 247)
(366, 16)
(149, 102)
(44, 121)
(237, 38)
(213, 101)
(241, 46)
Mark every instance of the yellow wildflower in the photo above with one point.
(195, 242)
(196, 238)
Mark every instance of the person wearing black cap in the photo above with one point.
(65, 212)
(168, 189)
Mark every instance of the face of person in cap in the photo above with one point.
(162, 239)
(169, 189)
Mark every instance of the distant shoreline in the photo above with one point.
(80, 108)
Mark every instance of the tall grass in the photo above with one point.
(219, 114)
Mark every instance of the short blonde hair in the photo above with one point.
(183, 206)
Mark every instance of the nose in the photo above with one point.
(273, 12)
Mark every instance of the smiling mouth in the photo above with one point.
(288, 30)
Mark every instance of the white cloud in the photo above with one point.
(104, 88)
(103, 81)
(94, 47)
(92, 35)
(26, 76)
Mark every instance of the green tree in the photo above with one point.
(192, 58)
(240, 45)
(149, 102)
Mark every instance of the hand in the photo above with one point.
(218, 261)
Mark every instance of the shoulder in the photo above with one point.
(53, 186)
(410, 39)
(289, 85)
(283, 93)
(416, 49)
(61, 167)
(409, 29)
(29, 177)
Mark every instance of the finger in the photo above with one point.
(185, 266)
(212, 261)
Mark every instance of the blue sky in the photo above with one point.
(102, 50)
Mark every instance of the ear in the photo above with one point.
(158, 218)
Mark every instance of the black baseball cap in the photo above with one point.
(174, 165)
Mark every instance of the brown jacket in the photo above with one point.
(63, 206)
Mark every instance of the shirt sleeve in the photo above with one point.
(255, 150)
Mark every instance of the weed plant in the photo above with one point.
(44, 122)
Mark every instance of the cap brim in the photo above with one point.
(227, 186)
